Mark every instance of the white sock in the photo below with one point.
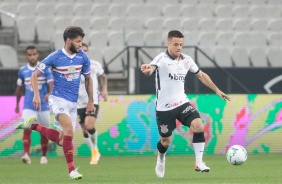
(161, 156)
(199, 151)
(94, 139)
(89, 143)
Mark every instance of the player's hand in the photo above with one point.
(146, 69)
(46, 97)
(36, 102)
(90, 109)
(105, 95)
(222, 95)
(17, 110)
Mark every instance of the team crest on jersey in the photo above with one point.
(186, 64)
(164, 129)
(71, 69)
(42, 66)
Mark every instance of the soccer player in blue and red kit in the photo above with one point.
(43, 115)
(67, 66)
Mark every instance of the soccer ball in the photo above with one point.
(236, 155)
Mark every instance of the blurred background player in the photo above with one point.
(43, 115)
(88, 122)
(171, 67)
(67, 65)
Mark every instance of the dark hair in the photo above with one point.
(73, 32)
(30, 47)
(84, 45)
(175, 34)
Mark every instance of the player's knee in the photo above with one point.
(197, 125)
(68, 130)
(166, 141)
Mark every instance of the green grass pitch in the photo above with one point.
(141, 169)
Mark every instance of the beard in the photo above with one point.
(73, 49)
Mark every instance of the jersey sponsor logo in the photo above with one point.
(30, 87)
(176, 77)
(72, 76)
(164, 129)
(188, 109)
(42, 66)
(170, 105)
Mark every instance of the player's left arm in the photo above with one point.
(206, 80)
(89, 89)
(50, 88)
(104, 83)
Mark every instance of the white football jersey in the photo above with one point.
(96, 71)
(170, 77)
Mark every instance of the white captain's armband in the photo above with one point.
(19, 82)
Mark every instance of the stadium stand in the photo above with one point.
(222, 56)
(153, 38)
(8, 57)
(224, 28)
(258, 57)
(240, 57)
(117, 10)
(45, 10)
(7, 22)
(116, 39)
(274, 56)
(26, 30)
(44, 28)
(82, 10)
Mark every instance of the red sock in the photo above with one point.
(44, 145)
(50, 133)
(68, 151)
(26, 141)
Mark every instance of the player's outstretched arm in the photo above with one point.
(89, 89)
(34, 83)
(206, 80)
(147, 69)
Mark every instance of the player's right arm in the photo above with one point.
(148, 69)
(40, 69)
(34, 82)
(19, 91)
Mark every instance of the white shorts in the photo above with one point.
(43, 117)
(62, 106)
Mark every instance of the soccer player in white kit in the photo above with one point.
(67, 66)
(170, 68)
(87, 122)
(43, 115)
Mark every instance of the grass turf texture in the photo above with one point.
(141, 169)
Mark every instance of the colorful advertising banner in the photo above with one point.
(127, 126)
